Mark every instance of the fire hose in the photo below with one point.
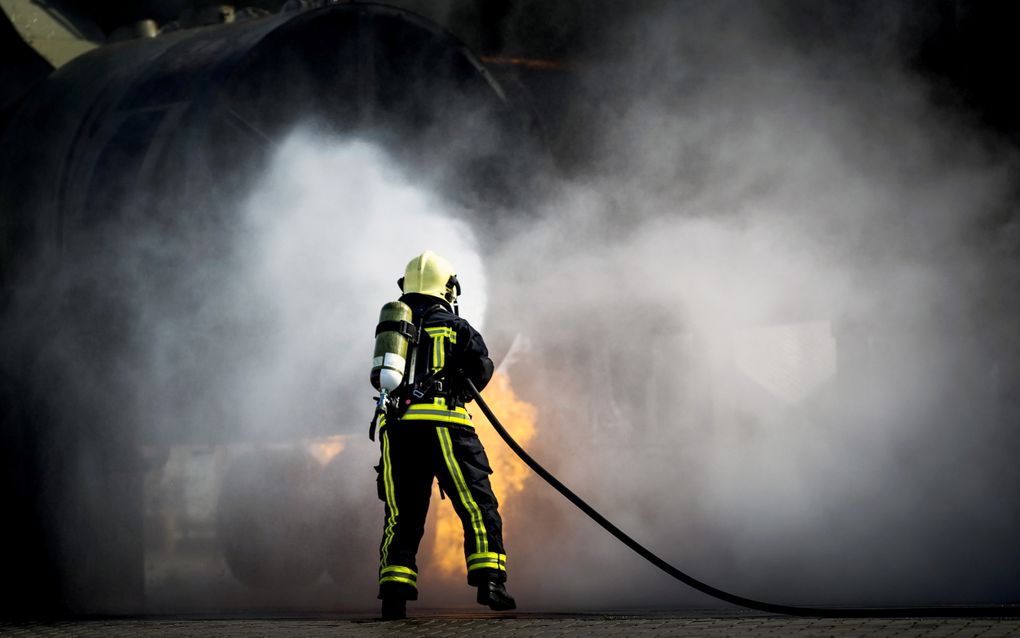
(774, 608)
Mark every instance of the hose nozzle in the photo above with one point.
(380, 410)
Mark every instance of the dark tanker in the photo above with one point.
(165, 135)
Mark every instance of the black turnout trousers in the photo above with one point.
(413, 453)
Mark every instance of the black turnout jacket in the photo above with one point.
(463, 352)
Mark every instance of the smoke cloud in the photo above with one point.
(767, 318)
(310, 269)
(229, 362)
(317, 251)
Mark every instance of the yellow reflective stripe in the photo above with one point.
(490, 560)
(481, 541)
(438, 403)
(398, 574)
(438, 348)
(439, 416)
(442, 331)
(398, 568)
(391, 499)
(436, 407)
(398, 579)
(439, 335)
(437, 411)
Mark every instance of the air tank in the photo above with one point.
(391, 344)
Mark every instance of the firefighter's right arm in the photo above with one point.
(475, 363)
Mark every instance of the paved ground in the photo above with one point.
(440, 625)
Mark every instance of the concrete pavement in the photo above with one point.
(588, 625)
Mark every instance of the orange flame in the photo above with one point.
(326, 448)
(509, 474)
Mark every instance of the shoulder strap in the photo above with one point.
(436, 382)
(412, 358)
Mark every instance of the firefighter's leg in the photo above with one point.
(405, 485)
(466, 480)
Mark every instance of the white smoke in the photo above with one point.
(269, 344)
(760, 319)
(327, 237)
(316, 252)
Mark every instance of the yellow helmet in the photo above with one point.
(430, 274)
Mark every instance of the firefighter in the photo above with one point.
(425, 433)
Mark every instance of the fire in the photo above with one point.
(446, 558)
(326, 448)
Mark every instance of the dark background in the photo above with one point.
(969, 50)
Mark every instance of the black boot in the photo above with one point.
(494, 595)
(394, 609)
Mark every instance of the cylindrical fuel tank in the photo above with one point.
(146, 127)
(150, 146)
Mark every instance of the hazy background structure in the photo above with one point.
(749, 270)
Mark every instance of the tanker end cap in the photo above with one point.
(56, 31)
